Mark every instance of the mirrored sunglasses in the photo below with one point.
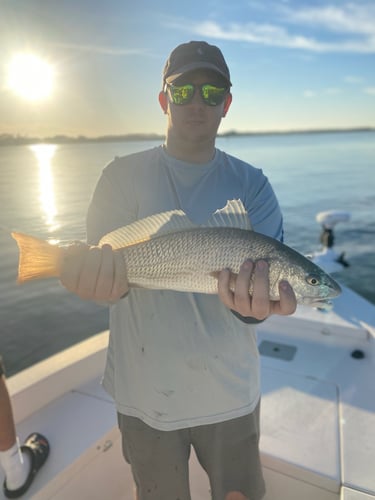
(211, 95)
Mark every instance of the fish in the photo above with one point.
(167, 251)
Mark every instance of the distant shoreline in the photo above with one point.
(10, 140)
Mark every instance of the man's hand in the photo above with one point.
(258, 305)
(94, 273)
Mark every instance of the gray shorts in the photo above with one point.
(228, 452)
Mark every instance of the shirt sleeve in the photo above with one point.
(112, 204)
(265, 216)
(263, 207)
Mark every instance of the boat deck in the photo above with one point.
(318, 414)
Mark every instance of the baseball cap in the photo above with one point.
(195, 55)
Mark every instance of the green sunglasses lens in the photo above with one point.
(182, 94)
(212, 95)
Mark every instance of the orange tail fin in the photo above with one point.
(38, 258)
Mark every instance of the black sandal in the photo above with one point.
(37, 447)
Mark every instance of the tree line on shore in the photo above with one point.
(9, 139)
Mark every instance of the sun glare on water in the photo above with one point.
(44, 154)
(30, 77)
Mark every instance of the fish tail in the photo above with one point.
(38, 258)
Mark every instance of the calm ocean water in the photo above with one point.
(45, 190)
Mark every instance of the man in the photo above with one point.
(183, 368)
(20, 464)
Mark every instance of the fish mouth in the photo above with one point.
(321, 304)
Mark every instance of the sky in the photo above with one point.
(295, 64)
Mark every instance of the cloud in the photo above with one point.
(264, 34)
(329, 91)
(357, 18)
(353, 79)
(369, 90)
(276, 36)
(349, 27)
(309, 94)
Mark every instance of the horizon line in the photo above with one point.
(11, 139)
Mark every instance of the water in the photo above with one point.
(45, 191)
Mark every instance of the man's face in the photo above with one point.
(196, 121)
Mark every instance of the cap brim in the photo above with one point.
(196, 65)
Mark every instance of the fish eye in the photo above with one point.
(313, 279)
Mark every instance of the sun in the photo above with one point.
(30, 77)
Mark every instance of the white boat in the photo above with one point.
(317, 419)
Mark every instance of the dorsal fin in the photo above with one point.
(232, 215)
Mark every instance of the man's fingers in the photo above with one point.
(225, 293)
(288, 302)
(242, 299)
(94, 273)
(120, 283)
(234, 289)
(104, 283)
(261, 291)
(90, 273)
(72, 262)
(234, 292)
